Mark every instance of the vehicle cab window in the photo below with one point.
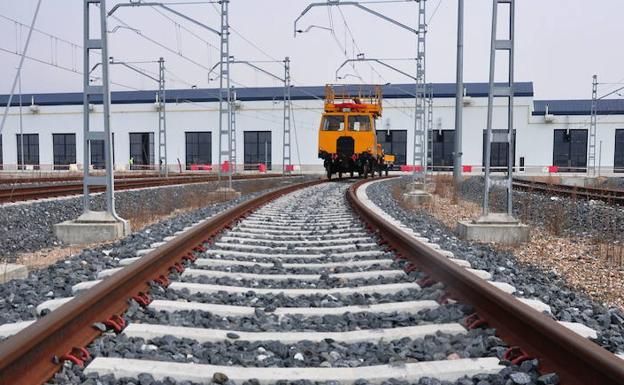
(360, 123)
(333, 123)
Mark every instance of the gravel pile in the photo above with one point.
(19, 298)
(561, 214)
(28, 227)
(531, 282)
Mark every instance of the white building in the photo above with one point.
(52, 127)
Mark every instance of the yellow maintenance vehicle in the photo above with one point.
(347, 137)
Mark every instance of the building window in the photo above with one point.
(63, 150)
(441, 149)
(97, 153)
(570, 150)
(198, 148)
(31, 150)
(394, 142)
(499, 154)
(257, 148)
(618, 162)
(141, 150)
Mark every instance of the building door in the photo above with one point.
(570, 150)
(394, 142)
(499, 154)
(618, 162)
(31, 150)
(63, 150)
(141, 150)
(257, 149)
(97, 153)
(198, 148)
(441, 149)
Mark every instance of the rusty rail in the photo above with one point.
(602, 194)
(25, 193)
(33, 355)
(575, 359)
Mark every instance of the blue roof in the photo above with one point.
(391, 91)
(578, 107)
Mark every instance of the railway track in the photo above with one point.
(29, 192)
(593, 193)
(312, 283)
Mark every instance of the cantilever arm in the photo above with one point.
(161, 5)
(376, 61)
(330, 3)
(135, 70)
(250, 65)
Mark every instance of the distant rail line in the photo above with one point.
(20, 193)
(612, 196)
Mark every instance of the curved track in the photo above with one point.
(300, 284)
(28, 192)
(601, 194)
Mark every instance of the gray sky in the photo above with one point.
(559, 43)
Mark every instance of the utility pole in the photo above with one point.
(501, 91)
(162, 121)
(225, 101)
(286, 149)
(591, 166)
(459, 97)
(91, 93)
(233, 120)
(21, 123)
(419, 177)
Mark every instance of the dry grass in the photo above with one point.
(169, 206)
(46, 257)
(587, 265)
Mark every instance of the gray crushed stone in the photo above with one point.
(27, 227)
(531, 282)
(19, 298)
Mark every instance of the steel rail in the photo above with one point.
(25, 193)
(71, 178)
(575, 359)
(33, 355)
(602, 194)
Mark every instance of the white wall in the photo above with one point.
(534, 136)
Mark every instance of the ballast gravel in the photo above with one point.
(575, 217)
(27, 227)
(19, 298)
(263, 321)
(530, 282)
(324, 283)
(327, 353)
(307, 354)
